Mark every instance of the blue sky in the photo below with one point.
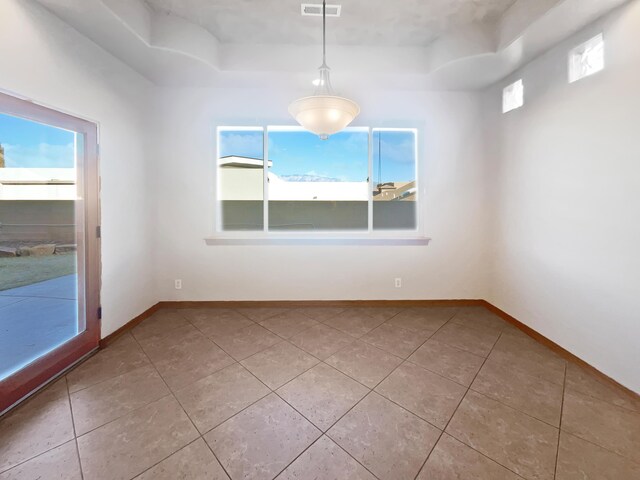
(343, 156)
(29, 144)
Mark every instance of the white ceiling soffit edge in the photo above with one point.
(170, 51)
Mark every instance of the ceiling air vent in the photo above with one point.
(315, 10)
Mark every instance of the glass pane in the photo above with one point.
(241, 178)
(318, 184)
(394, 180)
(586, 59)
(39, 301)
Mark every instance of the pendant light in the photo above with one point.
(324, 113)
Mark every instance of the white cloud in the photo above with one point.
(43, 155)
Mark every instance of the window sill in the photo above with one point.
(318, 240)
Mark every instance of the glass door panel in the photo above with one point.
(47, 260)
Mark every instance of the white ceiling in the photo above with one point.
(362, 22)
(383, 44)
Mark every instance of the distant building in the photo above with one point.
(37, 204)
(241, 178)
(47, 184)
(1, 156)
(395, 191)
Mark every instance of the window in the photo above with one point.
(241, 178)
(586, 59)
(513, 96)
(318, 184)
(394, 175)
(285, 179)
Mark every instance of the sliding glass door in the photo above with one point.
(49, 245)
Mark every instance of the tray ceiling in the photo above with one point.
(362, 22)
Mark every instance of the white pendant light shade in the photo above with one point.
(324, 115)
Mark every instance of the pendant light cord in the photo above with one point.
(324, 32)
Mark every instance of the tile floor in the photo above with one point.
(324, 393)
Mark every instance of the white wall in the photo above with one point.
(44, 59)
(452, 266)
(566, 178)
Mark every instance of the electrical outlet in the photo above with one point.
(178, 284)
(398, 283)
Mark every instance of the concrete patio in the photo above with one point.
(34, 319)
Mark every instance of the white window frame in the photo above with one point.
(578, 51)
(341, 237)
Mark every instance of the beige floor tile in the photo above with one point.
(354, 323)
(262, 440)
(581, 460)
(523, 444)
(193, 462)
(247, 341)
(276, 365)
(160, 322)
(514, 331)
(217, 321)
(364, 363)
(213, 399)
(479, 317)
(432, 397)
(322, 395)
(122, 356)
(321, 341)
(379, 313)
(523, 354)
(325, 460)
(111, 399)
(473, 340)
(260, 314)
(451, 460)
(397, 341)
(614, 428)
(60, 463)
(321, 314)
(428, 319)
(453, 363)
(40, 424)
(529, 394)
(389, 441)
(131, 444)
(581, 381)
(289, 323)
(185, 356)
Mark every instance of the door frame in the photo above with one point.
(22, 383)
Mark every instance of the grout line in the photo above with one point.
(517, 409)
(301, 453)
(110, 378)
(73, 423)
(628, 459)
(23, 405)
(216, 457)
(456, 410)
(164, 458)
(350, 456)
(171, 393)
(564, 386)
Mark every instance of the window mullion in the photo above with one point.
(265, 166)
(370, 195)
